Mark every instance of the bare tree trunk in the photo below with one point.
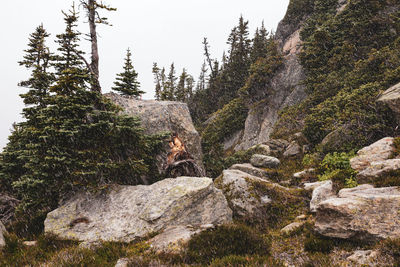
(94, 65)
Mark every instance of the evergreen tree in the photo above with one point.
(169, 86)
(260, 44)
(157, 80)
(126, 82)
(75, 145)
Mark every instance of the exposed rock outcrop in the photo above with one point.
(164, 116)
(262, 161)
(376, 160)
(321, 191)
(250, 169)
(7, 208)
(125, 213)
(362, 213)
(285, 89)
(391, 97)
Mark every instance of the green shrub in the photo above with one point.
(226, 240)
(336, 167)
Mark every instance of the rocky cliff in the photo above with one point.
(285, 86)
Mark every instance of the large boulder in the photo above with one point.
(251, 197)
(250, 169)
(391, 97)
(262, 161)
(125, 213)
(164, 116)
(321, 191)
(376, 160)
(363, 213)
(8, 205)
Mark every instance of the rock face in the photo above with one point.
(7, 208)
(125, 213)
(245, 201)
(362, 213)
(250, 169)
(164, 116)
(285, 89)
(292, 150)
(264, 161)
(2, 232)
(321, 191)
(376, 160)
(391, 97)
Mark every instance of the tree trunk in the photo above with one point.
(95, 51)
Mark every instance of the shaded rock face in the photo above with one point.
(376, 160)
(125, 213)
(362, 213)
(285, 86)
(250, 169)
(245, 201)
(7, 208)
(391, 97)
(164, 116)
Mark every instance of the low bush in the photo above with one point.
(315, 243)
(226, 240)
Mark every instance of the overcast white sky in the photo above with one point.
(156, 30)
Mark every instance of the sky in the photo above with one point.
(155, 30)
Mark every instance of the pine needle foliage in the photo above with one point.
(126, 82)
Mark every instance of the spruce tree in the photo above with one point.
(126, 82)
(260, 44)
(180, 94)
(157, 81)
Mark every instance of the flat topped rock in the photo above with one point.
(163, 116)
(125, 213)
(262, 161)
(250, 169)
(363, 213)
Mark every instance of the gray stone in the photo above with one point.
(292, 150)
(362, 213)
(2, 232)
(262, 161)
(250, 169)
(376, 160)
(321, 192)
(245, 201)
(378, 151)
(391, 97)
(30, 243)
(364, 257)
(173, 239)
(277, 146)
(305, 174)
(124, 262)
(231, 141)
(287, 230)
(126, 213)
(164, 116)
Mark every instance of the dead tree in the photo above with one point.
(92, 8)
(179, 160)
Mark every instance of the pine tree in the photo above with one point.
(74, 145)
(169, 87)
(126, 82)
(260, 44)
(180, 94)
(157, 81)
